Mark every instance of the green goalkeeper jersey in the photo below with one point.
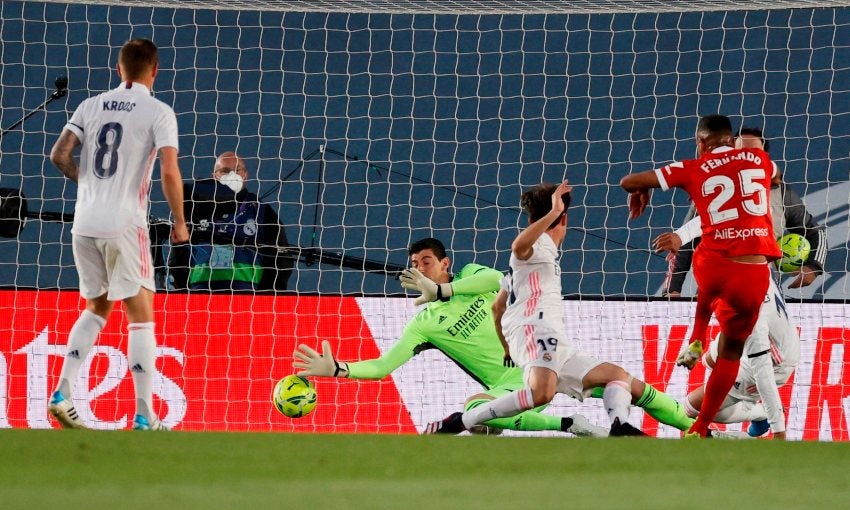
(462, 328)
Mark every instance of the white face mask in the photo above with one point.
(233, 181)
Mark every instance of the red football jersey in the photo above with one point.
(730, 189)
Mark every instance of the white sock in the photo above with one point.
(740, 412)
(617, 398)
(140, 354)
(507, 405)
(80, 340)
(690, 410)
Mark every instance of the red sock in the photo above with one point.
(719, 383)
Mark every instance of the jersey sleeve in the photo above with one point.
(76, 124)
(476, 279)
(766, 386)
(672, 175)
(400, 354)
(690, 230)
(165, 129)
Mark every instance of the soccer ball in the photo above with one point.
(294, 396)
(795, 251)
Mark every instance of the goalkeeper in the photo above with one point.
(458, 321)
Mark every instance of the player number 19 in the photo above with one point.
(548, 344)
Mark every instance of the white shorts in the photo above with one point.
(541, 345)
(745, 383)
(118, 267)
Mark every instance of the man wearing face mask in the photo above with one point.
(234, 238)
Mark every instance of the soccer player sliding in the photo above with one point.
(534, 332)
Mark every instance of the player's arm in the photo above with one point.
(62, 154)
(172, 188)
(762, 366)
(798, 220)
(499, 307)
(673, 241)
(473, 279)
(522, 247)
(312, 363)
(639, 185)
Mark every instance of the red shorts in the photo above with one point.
(734, 290)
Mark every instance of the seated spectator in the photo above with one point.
(234, 239)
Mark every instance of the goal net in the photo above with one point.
(367, 125)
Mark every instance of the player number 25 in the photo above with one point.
(106, 157)
(750, 187)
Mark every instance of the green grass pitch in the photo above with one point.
(181, 470)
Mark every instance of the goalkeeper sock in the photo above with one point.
(617, 398)
(663, 408)
(80, 340)
(140, 354)
(528, 421)
(719, 383)
(507, 405)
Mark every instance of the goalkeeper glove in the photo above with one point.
(313, 363)
(412, 279)
(689, 357)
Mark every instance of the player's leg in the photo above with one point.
(540, 390)
(534, 420)
(737, 310)
(660, 405)
(131, 281)
(541, 381)
(616, 395)
(540, 365)
(657, 404)
(702, 315)
(93, 284)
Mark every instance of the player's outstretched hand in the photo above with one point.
(689, 357)
(638, 200)
(412, 279)
(558, 204)
(313, 363)
(668, 241)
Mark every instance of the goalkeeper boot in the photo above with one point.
(624, 429)
(63, 410)
(689, 357)
(451, 424)
(580, 426)
(758, 428)
(142, 423)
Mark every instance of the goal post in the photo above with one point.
(367, 125)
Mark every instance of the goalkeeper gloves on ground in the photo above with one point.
(313, 363)
(412, 279)
(689, 357)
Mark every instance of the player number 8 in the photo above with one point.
(106, 157)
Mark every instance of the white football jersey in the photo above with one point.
(534, 288)
(774, 333)
(121, 131)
